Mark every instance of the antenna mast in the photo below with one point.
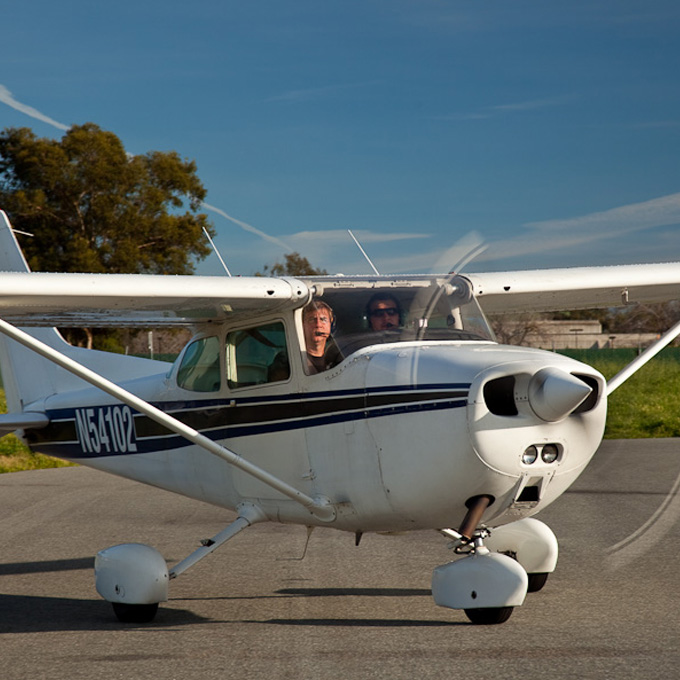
(217, 252)
(363, 252)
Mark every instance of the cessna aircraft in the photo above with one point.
(424, 422)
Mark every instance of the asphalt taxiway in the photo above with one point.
(255, 609)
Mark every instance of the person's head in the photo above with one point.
(383, 312)
(317, 318)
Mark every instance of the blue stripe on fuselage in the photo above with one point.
(94, 431)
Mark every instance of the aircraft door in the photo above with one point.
(265, 407)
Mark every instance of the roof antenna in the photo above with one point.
(217, 252)
(363, 252)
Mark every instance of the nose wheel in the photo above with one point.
(489, 616)
(485, 585)
(135, 613)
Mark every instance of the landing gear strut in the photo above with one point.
(486, 585)
(134, 577)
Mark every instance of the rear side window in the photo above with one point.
(200, 367)
(257, 355)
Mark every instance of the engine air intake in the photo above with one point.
(499, 396)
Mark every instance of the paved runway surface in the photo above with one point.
(254, 610)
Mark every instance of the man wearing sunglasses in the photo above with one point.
(383, 312)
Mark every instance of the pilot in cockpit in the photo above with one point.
(321, 351)
(383, 312)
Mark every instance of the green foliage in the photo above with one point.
(94, 208)
(648, 403)
(16, 456)
(294, 265)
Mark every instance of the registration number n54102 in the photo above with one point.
(106, 429)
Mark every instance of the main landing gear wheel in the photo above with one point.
(489, 616)
(536, 582)
(135, 613)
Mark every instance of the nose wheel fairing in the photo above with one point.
(498, 569)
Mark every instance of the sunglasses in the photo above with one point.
(387, 311)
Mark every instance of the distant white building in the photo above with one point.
(586, 334)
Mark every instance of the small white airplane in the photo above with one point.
(410, 416)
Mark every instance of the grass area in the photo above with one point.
(646, 405)
(15, 456)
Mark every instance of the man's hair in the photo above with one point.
(382, 297)
(317, 304)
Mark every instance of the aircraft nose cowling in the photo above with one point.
(554, 394)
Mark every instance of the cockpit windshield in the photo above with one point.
(375, 311)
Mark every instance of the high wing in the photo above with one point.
(100, 300)
(151, 300)
(576, 288)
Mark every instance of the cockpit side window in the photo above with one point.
(200, 367)
(257, 355)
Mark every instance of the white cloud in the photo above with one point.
(656, 212)
(6, 97)
(577, 232)
(532, 104)
(593, 239)
(341, 236)
(334, 250)
(488, 112)
(306, 94)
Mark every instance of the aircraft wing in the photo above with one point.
(144, 301)
(29, 299)
(545, 290)
(99, 300)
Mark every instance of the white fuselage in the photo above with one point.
(397, 436)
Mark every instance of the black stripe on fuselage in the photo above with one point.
(228, 418)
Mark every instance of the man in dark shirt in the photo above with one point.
(317, 319)
(383, 312)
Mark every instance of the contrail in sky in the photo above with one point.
(6, 97)
(251, 229)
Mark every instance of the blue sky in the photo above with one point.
(551, 131)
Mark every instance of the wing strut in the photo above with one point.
(320, 507)
(640, 361)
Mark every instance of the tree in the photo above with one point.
(512, 329)
(295, 265)
(92, 207)
(645, 318)
(636, 318)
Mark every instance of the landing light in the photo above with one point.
(530, 455)
(550, 453)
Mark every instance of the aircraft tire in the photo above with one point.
(135, 613)
(489, 616)
(536, 582)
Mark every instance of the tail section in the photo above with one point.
(36, 380)
(11, 257)
(28, 377)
